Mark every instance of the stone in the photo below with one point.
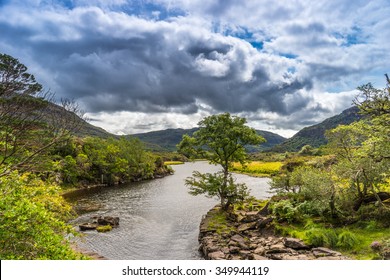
(324, 252)
(265, 211)
(274, 256)
(238, 238)
(245, 253)
(251, 217)
(259, 251)
(263, 223)
(246, 226)
(386, 254)
(234, 250)
(258, 257)
(295, 243)
(278, 246)
(216, 255)
(88, 226)
(112, 221)
(213, 249)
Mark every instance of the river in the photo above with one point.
(158, 218)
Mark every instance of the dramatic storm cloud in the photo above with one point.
(144, 65)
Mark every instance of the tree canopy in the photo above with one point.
(221, 140)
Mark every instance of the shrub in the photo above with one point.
(347, 240)
(32, 219)
(284, 209)
(316, 237)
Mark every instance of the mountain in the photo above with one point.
(56, 114)
(166, 140)
(315, 135)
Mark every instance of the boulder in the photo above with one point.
(251, 216)
(295, 243)
(324, 252)
(246, 226)
(263, 223)
(238, 238)
(265, 211)
(259, 251)
(112, 221)
(88, 226)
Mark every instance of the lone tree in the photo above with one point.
(221, 140)
(30, 123)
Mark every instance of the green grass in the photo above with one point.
(173, 162)
(218, 223)
(353, 240)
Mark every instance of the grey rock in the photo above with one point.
(295, 243)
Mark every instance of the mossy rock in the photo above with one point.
(104, 228)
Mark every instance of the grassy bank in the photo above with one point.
(363, 241)
(258, 168)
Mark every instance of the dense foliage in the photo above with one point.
(105, 161)
(350, 185)
(39, 152)
(32, 219)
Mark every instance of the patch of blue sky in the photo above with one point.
(244, 33)
(354, 37)
(151, 10)
(288, 55)
(4, 2)
(291, 70)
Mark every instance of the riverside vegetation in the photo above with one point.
(336, 196)
(40, 158)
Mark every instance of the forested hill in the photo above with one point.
(315, 135)
(166, 140)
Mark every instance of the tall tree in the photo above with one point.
(363, 148)
(221, 140)
(29, 122)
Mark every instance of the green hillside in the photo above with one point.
(315, 135)
(166, 140)
(77, 125)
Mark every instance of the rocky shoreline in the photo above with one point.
(250, 236)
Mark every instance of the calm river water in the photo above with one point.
(158, 218)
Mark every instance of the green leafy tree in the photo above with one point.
(221, 139)
(363, 148)
(29, 123)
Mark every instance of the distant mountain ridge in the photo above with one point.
(315, 135)
(166, 140)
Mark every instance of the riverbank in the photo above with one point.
(249, 235)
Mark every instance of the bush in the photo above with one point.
(285, 210)
(32, 220)
(316, 237)
(347, 240)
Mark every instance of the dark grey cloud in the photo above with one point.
(111, 61)
(146, 71)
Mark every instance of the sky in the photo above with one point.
(144, 65)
